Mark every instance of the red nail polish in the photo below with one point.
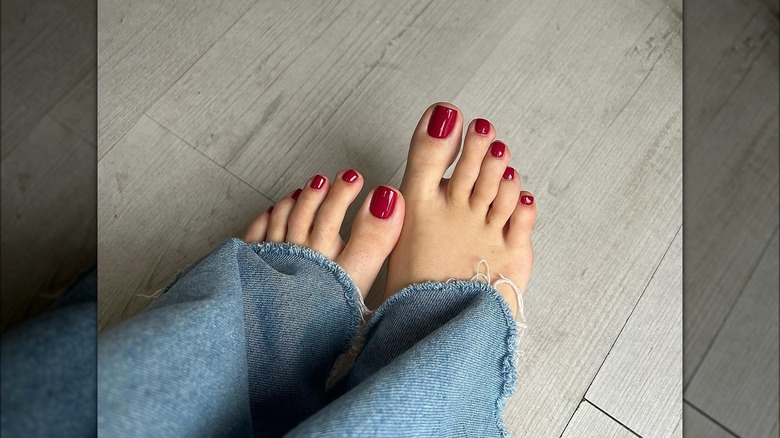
(318, 182)
(497, 149)
(350, 176)
(296, 193)
(383, 202)
(509, 173)
(527, 200)
(442, 121)
(482, 126)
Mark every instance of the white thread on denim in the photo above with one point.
(485, 278)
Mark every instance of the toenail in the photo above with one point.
(442, 121)
(509, 173)
(350, 176)
(497, 149)
(318, 182)
(296, 193)
(527, 200)
(382, 202)
(482, 126)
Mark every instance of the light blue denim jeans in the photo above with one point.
(243, 343)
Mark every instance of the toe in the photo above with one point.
(522, 221)
(479, 136)
(493, 166)
(277, 226)
(435, 144)
(299, 225)
(506, 200)
(257, 229)
(325, 236)
(375, 232)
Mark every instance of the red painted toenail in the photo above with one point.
(482, 126)
(442, 121)
(350, 176)
(383, 202)
(509, 173)
(497, 149)
(318, 182)
(527, 200)
(296, 193)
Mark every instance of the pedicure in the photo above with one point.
(296, 193)
(527, 200)
(382, 202)
(509, 173)
(318, 182)
(497, 149)
(482, 126)
(442, 121)
(350, 176)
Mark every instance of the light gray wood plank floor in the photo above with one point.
(48, 155)
(588, 421)
(640, 383)
(588, 96)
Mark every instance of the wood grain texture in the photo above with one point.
(590, 422)
(732, 136)
(640, 383)
(144, 47)
(48, 218)
(697, 425)
(162, 205)
(77, 110)
(48, 46)
(737, 383)
(341, 85)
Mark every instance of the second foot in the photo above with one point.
(312, 216)
(479, 213)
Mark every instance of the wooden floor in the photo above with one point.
(210, 110)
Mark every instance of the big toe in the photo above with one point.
(435, 144)
(375, 232)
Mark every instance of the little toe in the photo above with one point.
(257, 229)
(522, 221)
(506, 200)
(277, 226)
(435, 144)
(494, 164)
(325, 237)
(300, 223)
(479, 136)
(375, 232)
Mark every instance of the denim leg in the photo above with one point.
(242, 342)
(438, 360)
(48, 369)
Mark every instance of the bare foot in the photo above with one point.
(480, 213)
(312, 216)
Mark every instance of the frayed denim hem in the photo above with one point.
(351, 293)
(509, 372)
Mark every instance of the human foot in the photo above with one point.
(312, 217)
(480, 213)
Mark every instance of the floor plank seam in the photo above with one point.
(604, 360)
(716, 422)
(731, 309)
(173, 83)
(613, 418)
(268, 198)
(68, 128)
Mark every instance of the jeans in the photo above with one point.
(244, 343)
